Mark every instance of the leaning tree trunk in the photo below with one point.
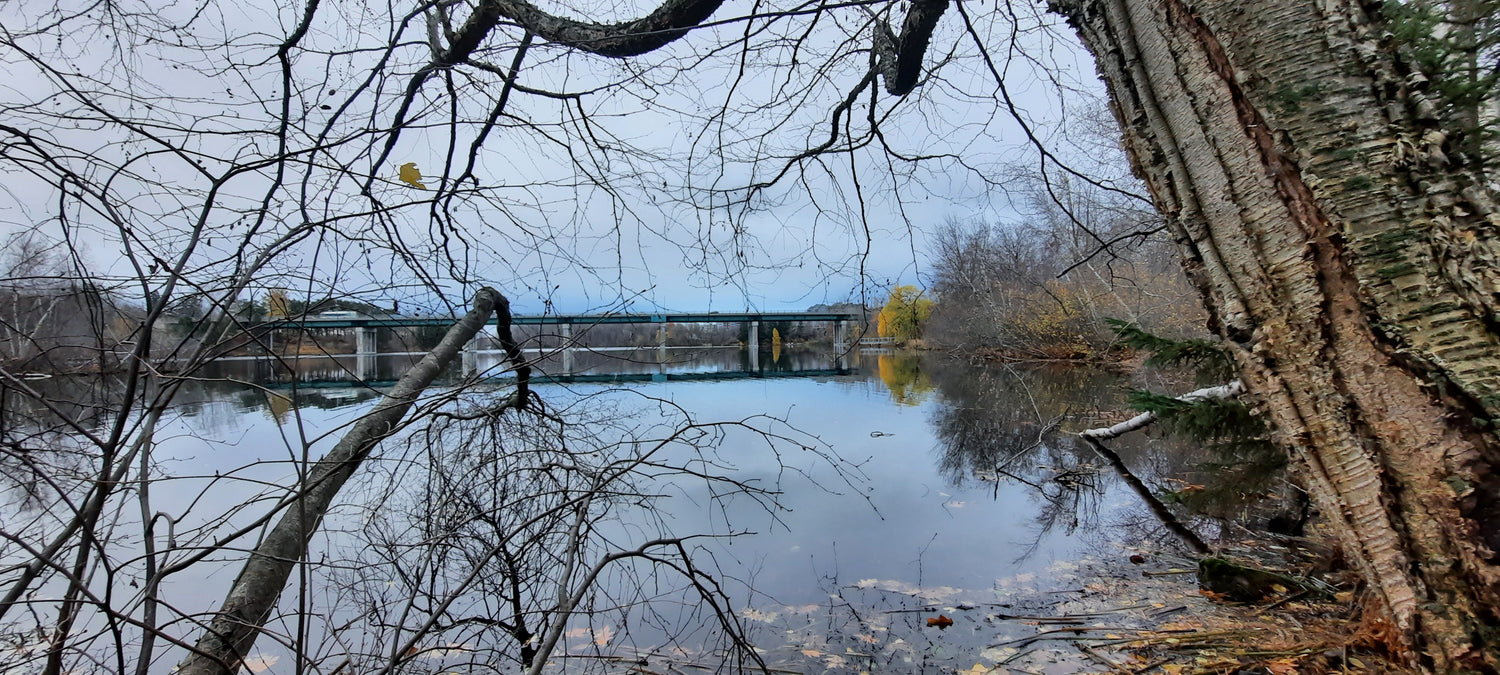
(1352, 264)
(230, 635)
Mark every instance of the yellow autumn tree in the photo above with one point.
(905, 314)
(277, 305)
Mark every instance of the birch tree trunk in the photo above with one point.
(228, 638)
(1352, 266)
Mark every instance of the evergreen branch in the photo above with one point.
(1206, 356)
(1145, 419)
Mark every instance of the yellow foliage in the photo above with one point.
(902, 374)
(277, 305)
(905, 314)
(411, 175)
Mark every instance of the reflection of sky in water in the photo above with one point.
(907, 515)
(915, 527)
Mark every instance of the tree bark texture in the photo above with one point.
(1351, 267)
(231, 634)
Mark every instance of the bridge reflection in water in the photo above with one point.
(577, 365)
(562, 362)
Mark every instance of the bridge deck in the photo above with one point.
(573, 319)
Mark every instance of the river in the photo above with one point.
(827, 506)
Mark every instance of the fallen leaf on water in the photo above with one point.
(757, 615)
(1178, 626)
(942, 622)
(811, 653)
(998, 653)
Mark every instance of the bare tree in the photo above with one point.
(1308, 172)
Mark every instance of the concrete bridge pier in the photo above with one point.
(364, 367)
(840, 344)
(471, 357)
(567, 348)
(754, 346)
(366, 348)
(365, 342)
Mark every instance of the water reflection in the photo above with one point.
(903, 374)
(556, 365)
(948, 483)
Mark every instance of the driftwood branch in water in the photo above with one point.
(1141, 421)
(232, 632)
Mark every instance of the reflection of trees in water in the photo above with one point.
(1005, 423)
(42, 433)
(1001, 423)
(43, 449)
(1003, 417)
(506, 534)
(903, 374)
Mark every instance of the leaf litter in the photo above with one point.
(1093, 615)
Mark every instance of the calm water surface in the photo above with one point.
(902, 483)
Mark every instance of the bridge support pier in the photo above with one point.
(471, 357)
(366, 347)
(754, 346)
(365, 342)
(661, 343)
(364, 367)
(567, 348)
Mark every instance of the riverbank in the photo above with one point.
(1153, 616)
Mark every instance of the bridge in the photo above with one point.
(365, 328)
(325, 321)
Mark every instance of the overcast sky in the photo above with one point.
(603, 184)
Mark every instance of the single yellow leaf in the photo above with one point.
(412, 176)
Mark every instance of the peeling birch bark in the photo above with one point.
(1354, 272)
(232, 632)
